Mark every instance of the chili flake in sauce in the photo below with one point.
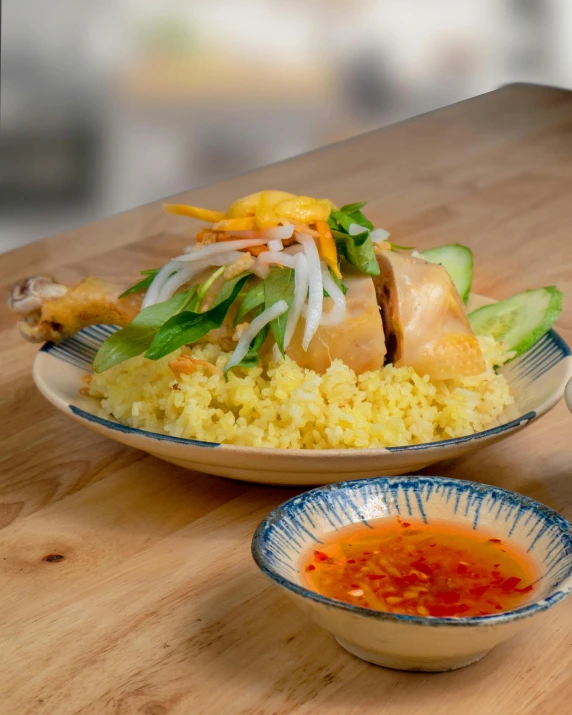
(439, 569)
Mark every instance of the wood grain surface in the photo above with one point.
(156, 606)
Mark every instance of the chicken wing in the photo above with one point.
(51, 311)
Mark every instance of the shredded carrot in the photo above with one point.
(194, 212)
(236, 224)
(302, 228)
(200, 236)
(223, 237)
(327, 247)
(288, 241)
(257, 250)
(229, 236)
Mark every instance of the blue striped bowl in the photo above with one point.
(415, 642)
(537, 380)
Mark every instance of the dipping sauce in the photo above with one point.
(409, 567)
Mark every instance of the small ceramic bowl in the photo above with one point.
(415, 642)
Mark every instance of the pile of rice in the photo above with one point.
(291, 407)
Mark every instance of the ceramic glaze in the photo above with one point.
(404, 641)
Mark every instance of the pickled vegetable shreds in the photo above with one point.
(419, 569)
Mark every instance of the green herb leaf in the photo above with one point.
(343, 220)
(251, 300)
(358, 250)
(188, 327)
(352, 208)
(227, 289)
(208, 283)
(251, 359)
(143, 284)
(337, 281)
(279, 286)
(397, 247)
(333, 224)
(137, 337)
(361, 220)
(196, 300)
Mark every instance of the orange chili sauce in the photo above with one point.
(440, 569)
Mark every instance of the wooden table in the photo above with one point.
(157, 606)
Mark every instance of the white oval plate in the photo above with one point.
(537, 380)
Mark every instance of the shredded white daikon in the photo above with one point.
(158, 282)
(275, 245)
(281, 258)
(261, 269)
(187, 272)
(229, 257)
(355, 229)
(299, 299)
(316, 288)
(220, 247)
(253, 329)
(338, 311)
(178, 279)
(270, 234)
(379, 235)
(292, 250)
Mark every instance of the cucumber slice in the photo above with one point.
(458, 262)
(519, 321)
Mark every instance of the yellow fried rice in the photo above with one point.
(291, 407)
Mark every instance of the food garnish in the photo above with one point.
(304, 279)
(519, 322)
(458, 262)
(298, 247)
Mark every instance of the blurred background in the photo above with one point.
(110, 104)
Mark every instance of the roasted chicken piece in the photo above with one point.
(51, 311)
(422, 322)
(358, 340)
(424, 318)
